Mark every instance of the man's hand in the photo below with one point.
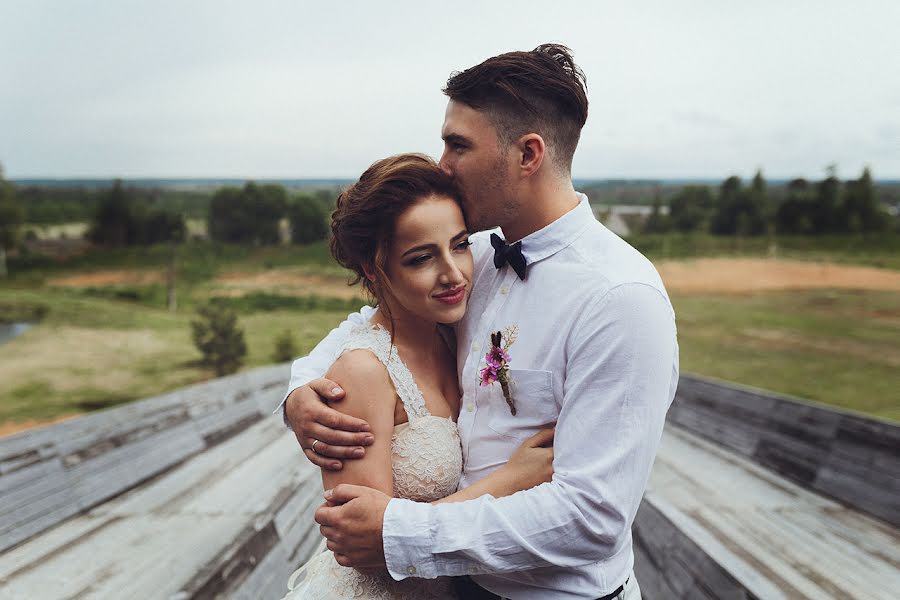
(351, 520)
(334, 434)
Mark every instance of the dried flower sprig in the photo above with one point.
(497, 359)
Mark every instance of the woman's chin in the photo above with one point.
(453, 315)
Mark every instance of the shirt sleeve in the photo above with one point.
(317, 362)
(619, 382)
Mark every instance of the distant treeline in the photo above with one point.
(54, 204)
(830, 206)
(137, 213)
(120, 215)
(250, 214)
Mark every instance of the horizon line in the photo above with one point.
(195, 178)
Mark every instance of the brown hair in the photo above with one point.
(541, 91)
(362, 225)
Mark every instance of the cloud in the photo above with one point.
(281, 88)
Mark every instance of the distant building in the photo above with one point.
(624, 219)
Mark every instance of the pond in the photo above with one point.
(8, 331)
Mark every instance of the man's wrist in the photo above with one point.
(406, 537)
(284, 418)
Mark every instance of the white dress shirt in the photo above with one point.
(596, 355)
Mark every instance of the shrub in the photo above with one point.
(285, 347)
(219, 339)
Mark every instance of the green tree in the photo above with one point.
(797, 213)
(724, 220)
(123, 219)
(860, 210)
(307, 219)
(285, 347)
(759, 202)
(219, 339)
(828, 198)
(155, 225)
(11, 218)
(690, 208)
(740, 211)
(113, 223)
(247, 215)
(657, 222)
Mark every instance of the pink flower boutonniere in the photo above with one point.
(497, 358)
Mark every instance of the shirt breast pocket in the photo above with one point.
(532, 393)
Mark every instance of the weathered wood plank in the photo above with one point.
(50, 474)
(775, 538)
(829, 450)
(213, 521)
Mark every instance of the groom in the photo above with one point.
(595, 353)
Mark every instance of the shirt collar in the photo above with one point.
(559, 234)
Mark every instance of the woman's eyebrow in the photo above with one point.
(418, 249)
(463, 233)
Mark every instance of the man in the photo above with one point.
(590, 337)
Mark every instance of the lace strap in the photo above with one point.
(378, 341)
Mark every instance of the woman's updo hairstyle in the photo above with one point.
(362, 225)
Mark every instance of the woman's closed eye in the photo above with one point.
(463, 245)
(418, 260)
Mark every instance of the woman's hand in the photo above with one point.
(328, 437)
(532, 462)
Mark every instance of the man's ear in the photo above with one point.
(532, 152)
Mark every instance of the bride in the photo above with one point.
(401, 230)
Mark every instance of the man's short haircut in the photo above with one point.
(541, 91)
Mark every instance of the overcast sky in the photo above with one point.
(291, 88)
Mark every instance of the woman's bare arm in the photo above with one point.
(369, 395)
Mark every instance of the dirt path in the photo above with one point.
(286, 282)
(104, 278)
(707, 275)
(746, 275)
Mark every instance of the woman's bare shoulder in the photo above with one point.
(365, 381)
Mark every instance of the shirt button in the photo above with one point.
(476, 346)
(504, 290)
(470, 407)
(411, 570)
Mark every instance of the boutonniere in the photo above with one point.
(497, 358)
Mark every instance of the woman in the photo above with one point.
(400, 229)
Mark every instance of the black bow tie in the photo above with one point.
(505, 253)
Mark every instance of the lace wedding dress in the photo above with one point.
(427, 461)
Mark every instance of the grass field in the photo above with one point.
(90, 353)
(825, 331)
(840, 347)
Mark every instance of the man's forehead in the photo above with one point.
(461, 120)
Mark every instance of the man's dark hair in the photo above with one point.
(541, 91)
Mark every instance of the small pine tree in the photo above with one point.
(285, 347)
(219, 339)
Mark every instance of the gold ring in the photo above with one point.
(313, 447)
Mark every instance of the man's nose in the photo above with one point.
(444, 164)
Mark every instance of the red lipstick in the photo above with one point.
(454, 296)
